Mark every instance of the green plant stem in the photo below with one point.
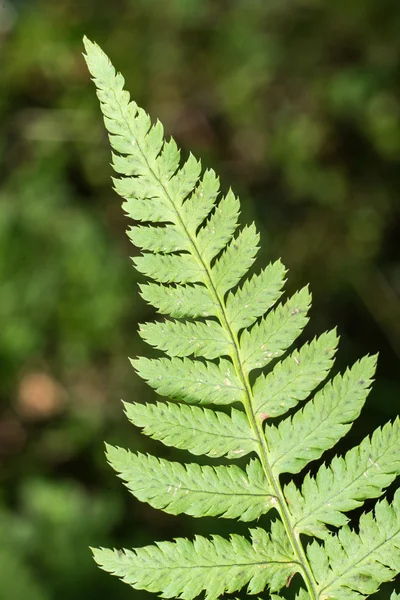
(282, 506)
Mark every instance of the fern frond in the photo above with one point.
(350, 564)
(166, 239)
(344, 485)
(192, 489)
(235, 260)
(256, 296)
(200, 203)
(249, 302)
(220, 330)
(184, 569)
(199, 430)
(193, 381)
(183, 301)
(175, 338)
(294, 378)
(169, 268)
(219, 229)
(271, 337)
(323, 421)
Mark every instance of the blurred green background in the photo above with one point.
(296, 104)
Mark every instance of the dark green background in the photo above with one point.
(295, 103)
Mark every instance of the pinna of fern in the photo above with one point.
(226, 341)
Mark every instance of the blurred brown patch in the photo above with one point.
(40, 396)
(12, 436)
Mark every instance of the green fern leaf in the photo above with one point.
(149, 210)
(323, 421)
(220, 227)
(294, 378)
(166, 239)
(235, 261)
(199, 430)
(343, 485)
(200, 203)
(191, 381)
(208, 339)
(255, 297)
(185, 569)
(273, 335)
(350, 564)
(192, 489)
(220, 330)
(169, 268)
(183, 301)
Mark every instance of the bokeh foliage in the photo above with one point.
(296, 105)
